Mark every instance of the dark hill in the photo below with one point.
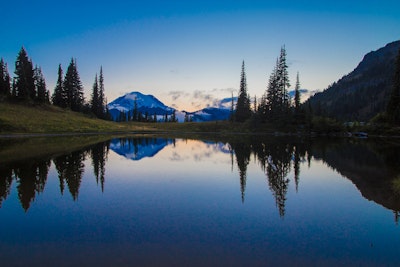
(364, 92)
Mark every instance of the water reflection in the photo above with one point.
(31, 175)
(372, 166)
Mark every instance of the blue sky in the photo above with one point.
(189, 53)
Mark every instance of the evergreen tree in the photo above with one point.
(94, 102)
(59, 95)
(5, 88)
(283, 79)
(102, 100)
(297, 94)
(393, 107)
(40, 85)
(232, 111)
(273, 96)
(243, 111)
(277, 98)
(73, 88)
(24, 82)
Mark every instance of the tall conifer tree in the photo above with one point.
(59, 95)
(24, 83)
(5, 87)
(102, 101)
(283, 78)
(94, 103)
(243, 111)
(73, 88)
(40, 85)
(297, 94)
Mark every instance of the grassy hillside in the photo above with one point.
(45, 119)
(18, 118)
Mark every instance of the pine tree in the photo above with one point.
(283, 78)
(277, 97)
(273, 96)
(297, 95)
(94, 103)
(243, 111)
(73, 88)
(102, 101)
(40, 86)
(393, 107)
(59, 95)
(232, 111)
(24, 82)
(5, 88)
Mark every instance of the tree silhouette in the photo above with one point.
(243, 110)
(6, 177)
(73, 88)
(59, 97)
(24, 82)
(5, 86)
(31, 178)
(242, 153)
(99, 154)
(40, 85)
(70, 171)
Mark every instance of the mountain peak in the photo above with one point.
(144, 103)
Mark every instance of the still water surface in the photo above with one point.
(184, 202)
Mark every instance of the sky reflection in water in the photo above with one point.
(190, 202)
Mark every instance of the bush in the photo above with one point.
(326, 125)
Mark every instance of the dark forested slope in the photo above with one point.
(364, 92)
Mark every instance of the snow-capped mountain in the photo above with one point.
(304, 94)
(139, 148)
(145, 104)
(148, 104)
(220, 111)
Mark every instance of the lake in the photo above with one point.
(214, 201)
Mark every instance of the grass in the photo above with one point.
(19, 118)
(47, 119)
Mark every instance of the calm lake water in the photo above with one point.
(247, 201)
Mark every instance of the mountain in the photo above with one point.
(362, 93)
(220, 111)
(304, 94)
(145, 104)
(139, 148)
(151, 105)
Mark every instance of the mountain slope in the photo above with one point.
(221, 111)
(145, 104)
(362, 93)
(151, 105)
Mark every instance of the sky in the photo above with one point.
(189, 53)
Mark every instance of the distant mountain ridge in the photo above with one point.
(362, 93)
(148, 104)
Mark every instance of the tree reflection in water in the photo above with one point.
(31, 175)
(372, 166)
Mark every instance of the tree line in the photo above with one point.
(29, 86)
(277, 108)
(275, 105)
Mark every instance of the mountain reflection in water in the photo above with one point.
(372, 166)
